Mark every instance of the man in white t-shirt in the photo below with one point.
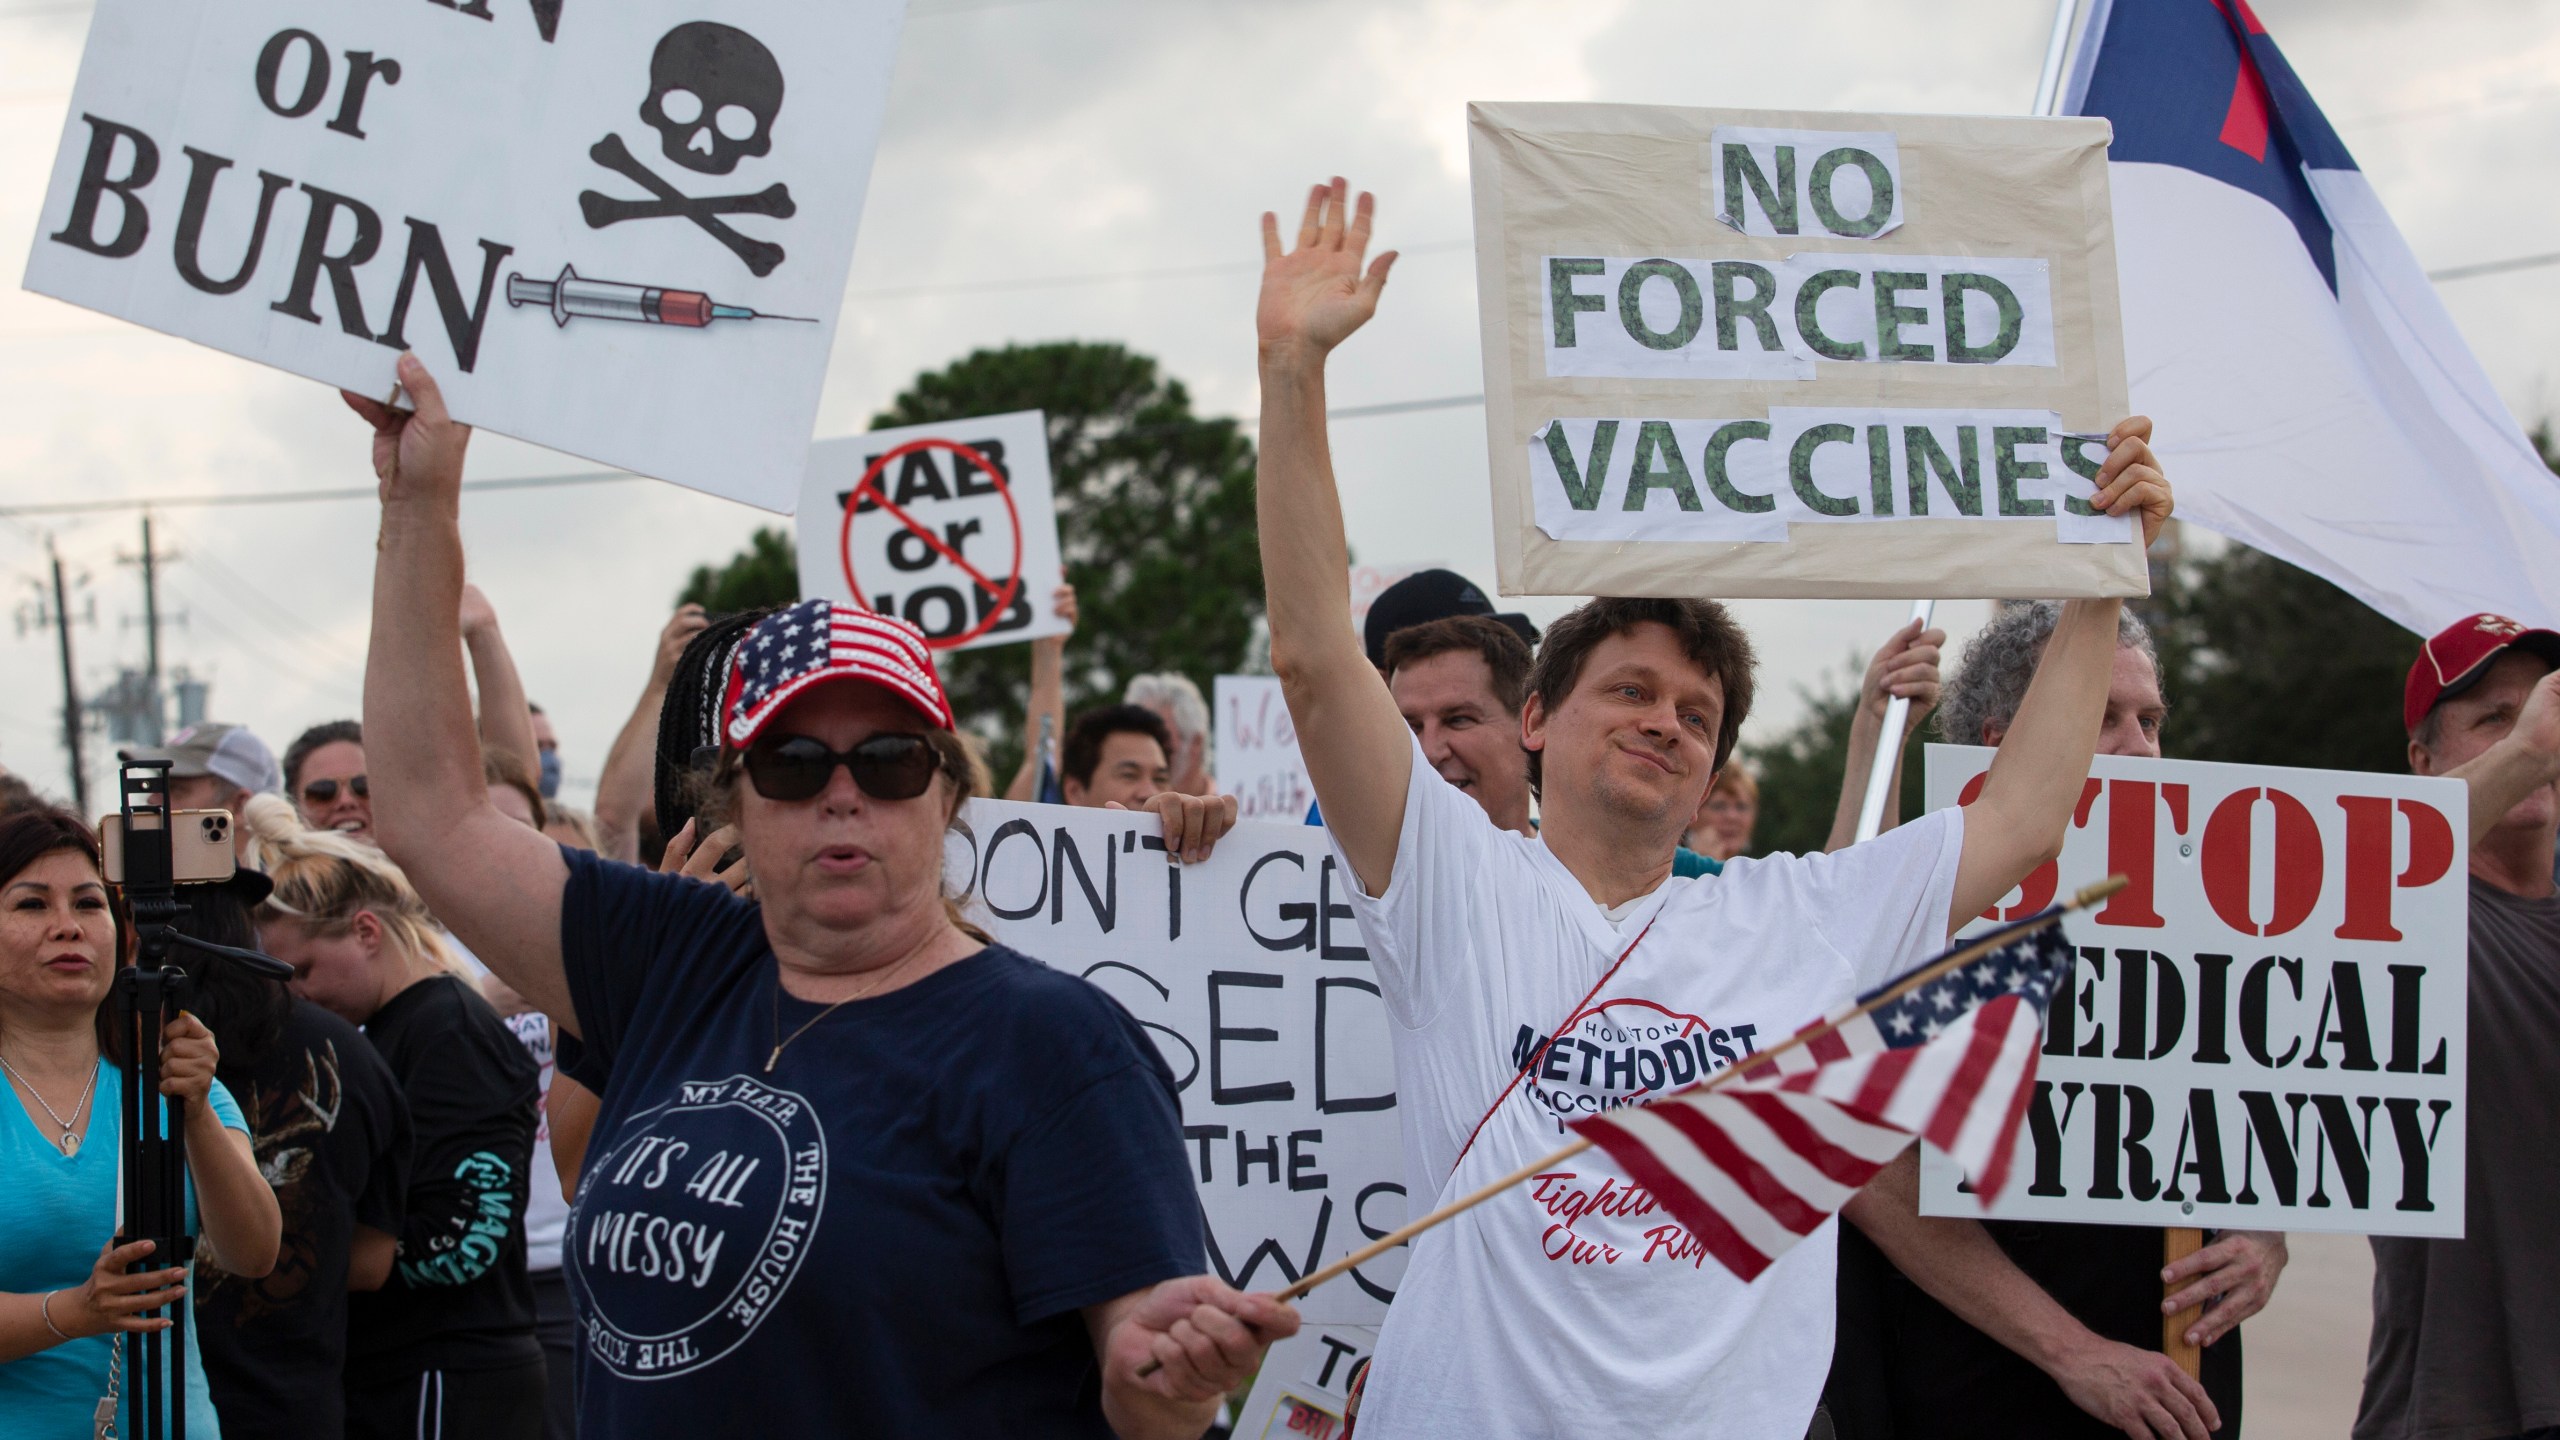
(1573, 1304)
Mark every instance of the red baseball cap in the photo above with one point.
(817, 641)
(2462, 652)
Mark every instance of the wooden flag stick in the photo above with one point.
(2177, 1243)
(1970, 953)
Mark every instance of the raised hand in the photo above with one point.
(1906, 666)
(2131, 479)
(417, 454)
(681, 627)
(1316, 294)
(478, 615)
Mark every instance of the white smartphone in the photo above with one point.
(199, 846)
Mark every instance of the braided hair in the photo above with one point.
(689, 721)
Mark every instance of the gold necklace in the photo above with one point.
(779, 1043)
(69, 1142)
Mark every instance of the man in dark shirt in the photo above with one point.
(332, 1135)
(2466, 1333)
(2010, 1330)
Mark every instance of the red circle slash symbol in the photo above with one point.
(870, 486)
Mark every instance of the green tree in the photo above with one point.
(1800, 770)
(1155, 523)
(767, 572)
(2268, 664)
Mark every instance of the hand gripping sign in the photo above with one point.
(621, 231)
(948, 526)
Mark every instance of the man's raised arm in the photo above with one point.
(2018, 821)
(1356, 746)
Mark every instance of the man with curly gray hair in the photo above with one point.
(2012, 1330)
(2001, 659)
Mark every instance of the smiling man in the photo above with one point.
(1574, 1303)
(1459, 684)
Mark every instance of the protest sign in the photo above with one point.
(1248, 972)
(947, 526)
(1786, 353)
(619, 230)
(1304, 1388)
(2264, 1029)
(1257, 750)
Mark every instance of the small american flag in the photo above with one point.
(792, 649)
(1753, 1165)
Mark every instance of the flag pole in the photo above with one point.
(2006, 935)
(2057, 53)
(1974, 950)
(1888, 746)
(2057, 50)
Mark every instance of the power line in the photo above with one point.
(2495, 267)
(551, 482)
(1111, 277)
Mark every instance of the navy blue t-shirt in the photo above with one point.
(890, 1234)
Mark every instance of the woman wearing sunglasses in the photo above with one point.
(857, 1171)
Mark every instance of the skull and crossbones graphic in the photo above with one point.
(714, 91)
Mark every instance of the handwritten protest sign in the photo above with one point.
(1304, 1389)
(620, 229)
(1249, 973)
(948, 526)
(1257, 750)
(1781, 353)
(2263, 1031)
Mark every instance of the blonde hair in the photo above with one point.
(1735, 779)
(574, 820)
(323, 879)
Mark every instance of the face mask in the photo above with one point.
(550, 781)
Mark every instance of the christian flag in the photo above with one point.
(1753, 1165)
(2313, 397)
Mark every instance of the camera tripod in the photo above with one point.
(149, 994)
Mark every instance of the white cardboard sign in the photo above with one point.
(1794, 353)
(1304, 1389)
(590, 220)
(1249, 973)
(950, 527)
(1257, 750)
(2264, 1031)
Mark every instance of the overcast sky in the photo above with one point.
(1078, 140)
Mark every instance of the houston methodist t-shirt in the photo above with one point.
(1573, 1304)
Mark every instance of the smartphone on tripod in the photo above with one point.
(199, 844)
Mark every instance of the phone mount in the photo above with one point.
(149, 994)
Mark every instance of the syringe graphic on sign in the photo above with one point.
(573, 296)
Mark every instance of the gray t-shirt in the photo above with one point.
(2466, 1333)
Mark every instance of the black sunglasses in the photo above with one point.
(321, 792)
(887, 767)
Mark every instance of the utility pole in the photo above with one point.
(70, 685)
(142, 709)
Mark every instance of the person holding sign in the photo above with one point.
(857, 1171)
(1539, 981)
(2465, 1331)
(2010, 1330)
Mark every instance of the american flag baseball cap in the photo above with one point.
(820, 640)
(2458, 655)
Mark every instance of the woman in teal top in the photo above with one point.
(64, 1296)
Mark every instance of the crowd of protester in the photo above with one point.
(495, 997)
